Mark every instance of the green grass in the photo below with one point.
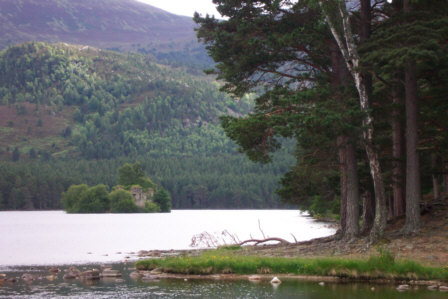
(226, 261)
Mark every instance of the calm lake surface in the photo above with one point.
(32, 241)
(54, 237)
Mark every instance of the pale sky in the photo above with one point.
(185, 7)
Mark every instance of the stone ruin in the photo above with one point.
(141, 197)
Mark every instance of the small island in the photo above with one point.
(135, 193)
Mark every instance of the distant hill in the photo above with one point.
(123, 25)
(73, 114)
(66, 99)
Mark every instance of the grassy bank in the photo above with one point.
(225, 261)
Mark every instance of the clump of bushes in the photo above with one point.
(97, 199)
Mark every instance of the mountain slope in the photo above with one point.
(106, 104)
(121, 24)
(74, 114)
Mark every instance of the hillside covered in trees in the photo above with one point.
(360, 85)
(72, 114)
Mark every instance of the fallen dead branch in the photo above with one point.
(208, 240)
(260, 241)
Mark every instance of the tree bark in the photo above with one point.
(413, 187)
(352, 218)
(343, 182)
(349, 213)
(398, 156)
(349, 51)
(435, 177)
(368, 212)
(445, 182)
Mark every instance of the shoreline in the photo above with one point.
(255, 278)
(233, 264)
(158, 274)
(129, 272)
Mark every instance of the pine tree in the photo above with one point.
(281, 51)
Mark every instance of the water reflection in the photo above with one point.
(126, 287)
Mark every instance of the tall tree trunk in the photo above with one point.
(445, 182)
(398, 155)
(435, 177)
(343, 182)
(368, 212)
(349, 216)
(390, 206)
(348, 48)
(413, 187)
(352, 218)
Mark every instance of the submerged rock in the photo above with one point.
(403, 287)
(254, 278)
(143, 253)
(70, 275)
(432, 287)
(148, 278)
(28, 277)
(156, 271)
(110, 273)
(54, 270)
(93, 274)
(275, 280)
(135, 275)
(443, 288)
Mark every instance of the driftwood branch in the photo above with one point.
(260, 241)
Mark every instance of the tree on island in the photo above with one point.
(97, 199)
(82, 199)
(121, 201)
(163, 199)
(133, 175)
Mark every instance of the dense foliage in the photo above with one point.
(330, 74)
(82, 199)
(74, 115)
(221, 181)
(120, 104)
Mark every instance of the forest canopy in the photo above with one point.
(73, 115)
(360, 86)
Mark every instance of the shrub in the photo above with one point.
(71, 197)
(151, 207)
(94, 200)
(163, 199)
(121, 201)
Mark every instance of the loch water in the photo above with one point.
(31, 242)
(55, 237)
